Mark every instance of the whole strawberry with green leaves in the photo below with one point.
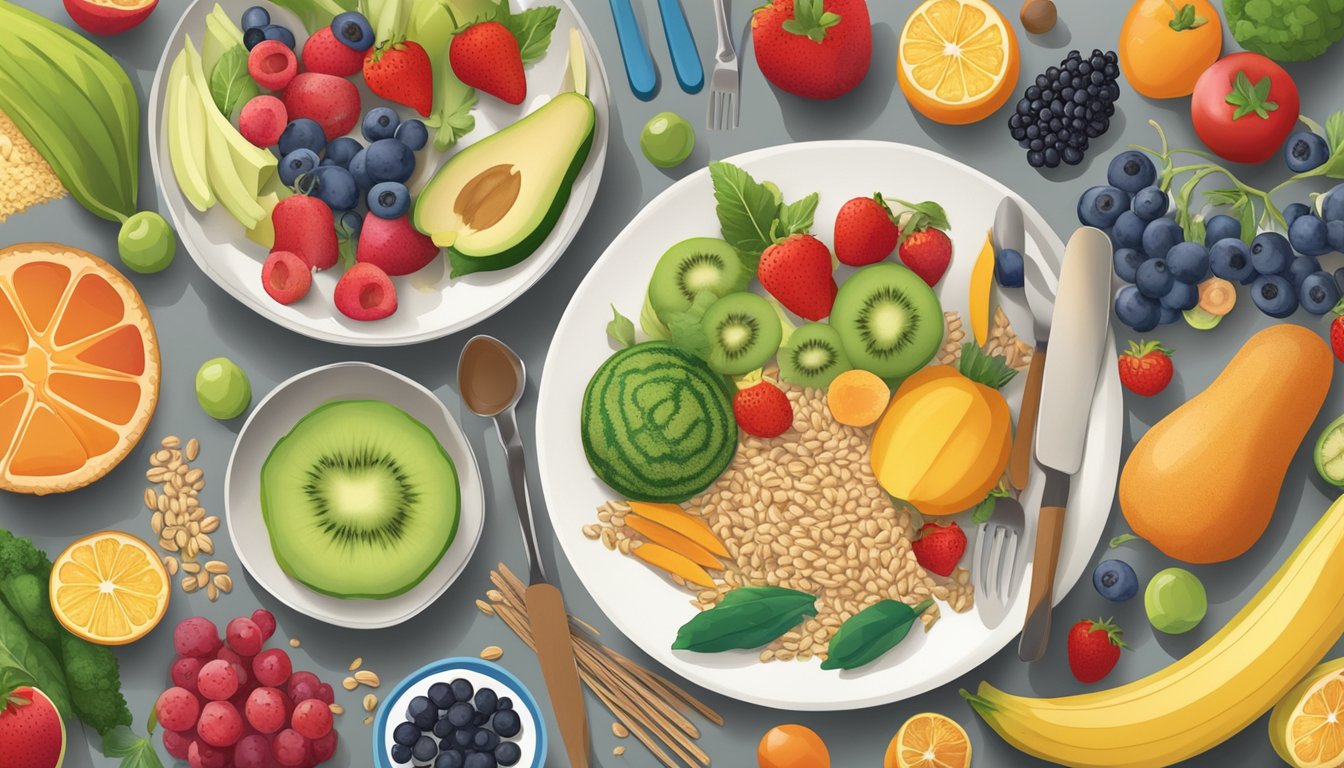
(1145, 368)
(924, 245)
(1337, 331)
(1094, 649)
(401, 72)
(817, 49)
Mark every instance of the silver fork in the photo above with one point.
(997, 563)
(724, 84)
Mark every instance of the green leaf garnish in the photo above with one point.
(796, 218)
(747, 211)
(620, 330)
(1250, 98)
(746, 617)
(870, 633)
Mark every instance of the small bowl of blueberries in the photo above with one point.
(460, 713)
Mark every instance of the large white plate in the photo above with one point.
(650, 609)
(430, 305)
(273, 418)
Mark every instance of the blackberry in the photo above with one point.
(1066, 107)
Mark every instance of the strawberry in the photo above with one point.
(817, 49)
(797, 271)
(763, 410)
(394, 245)
(401, 72)
(1145, 368)
(1094, 649)
(330, 100)
(365, 293)
(1337, 331)
(486, 57)
(865, 231)
(924, 246)
(304, 226)
(939, 547)
(324, 53)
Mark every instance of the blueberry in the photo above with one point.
(1230, 259)
(401, 754)
(1100, 206)
(1308, 235)
(296, 164)
(1150, 203)
(1271, 253)
(450, 759)
(506, 723)
(462, 690)
(1128, 231)
(281, 33)
(421, 709)
(1318, 293)
(441, 695)
(1299, 268)
(353, 29)
(480, 718)
(341, 151)
(391, 200)
(337, 188)
(1115, 580)
(303, 133)
(1008, 268)
(1154, 278)
(463, 737)
(504, 703)
(1131, 171)
(1332, 204)
(379, 123)
(425, 749)
(443, 729)
(359, 169)
(1274, 295)
(508, 753)
(461, 714)
(1133, 308)
(405, 734)
(1161, 236)
(485, 740)
(1220, 227)
(1334, 235)
(255, 17)
(413, 134)
(1167, 315)
(1294, 210)
(1305, 151)
(480, 760)
(1189, 262)
(1127, 261)
(486, 700)
(253, 37)
(1181, 296)
(389, 160)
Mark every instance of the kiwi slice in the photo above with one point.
(813, 356)
(889, 320)
(360, 500)
(692, 267)
(743, 332)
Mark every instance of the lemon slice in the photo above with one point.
(929, 740)
(958, 60)
(109, 588)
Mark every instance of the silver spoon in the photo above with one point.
(491, 379)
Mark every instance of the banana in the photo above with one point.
(1206, 697)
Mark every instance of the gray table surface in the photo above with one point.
(196, 321)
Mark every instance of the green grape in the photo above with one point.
(1175, 601)
(222, 388)
(667, 139)
(146, 243)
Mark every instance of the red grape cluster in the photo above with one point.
(234, 704)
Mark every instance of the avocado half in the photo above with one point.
(492, 204)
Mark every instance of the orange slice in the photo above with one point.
(1306, 728)
(109, 588)
(958, 60)
(79, 368)
(929, 740)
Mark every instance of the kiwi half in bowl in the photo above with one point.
(813, 357)
(889, 320)
(692, 267)
(744, 332)
(360, 500)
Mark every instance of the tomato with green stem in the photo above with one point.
(1244, 107)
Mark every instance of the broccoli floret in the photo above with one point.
(94, 678)
(1286, 30)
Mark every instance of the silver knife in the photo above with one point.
(1080, 321)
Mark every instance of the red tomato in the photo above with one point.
(1244, 107)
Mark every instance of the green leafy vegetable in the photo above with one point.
(650, 324)
(23, 652)
(747, 617)
(230, 84)
(797, 217)
(747, 211)
(620, 329)
(1286, 30)
(985, 509)
(315, 14)
(684, 329)
(1251, 98)
(134, 751)
(870, 633)
(532, 28)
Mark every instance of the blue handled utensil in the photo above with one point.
(638, 61)
(680, 43)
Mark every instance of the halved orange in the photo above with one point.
(958, 60)
(929, 740)
(79, 368)
(109, 588)
(1306, 727)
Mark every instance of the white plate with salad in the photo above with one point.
(227, 227)
(637, 593)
